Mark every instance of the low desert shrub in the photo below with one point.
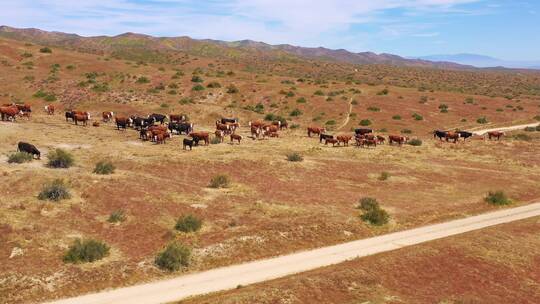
(368, 203)
(60, 159)
(104, 167)
(295, 157)
(415, 142)
(365, 122)
(117, 216)
(377, 217)
(396, 117)
(173, 257)
(45, 50)
(417, 116)
(86, 251)
(55, 191)
(197, 88)
(220, 181)
(188, 223)
(20, 157)
(296, 112)
(482, 120)
(497, 198)
(384, 176)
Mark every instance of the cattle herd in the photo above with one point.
(158, 128)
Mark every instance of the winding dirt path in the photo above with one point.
(348, 116)
(258, 271)
(505, 129)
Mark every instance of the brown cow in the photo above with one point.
(344, 139)
(24, 107)
(255, 132)
(49, 109)
(380, 140)
(271, 128)
(122, 122)
(107, 116)
(80, 117)
(236, 137)
(495, 134)
(223, 127)
(333, 141)
(369, 142)
(220, 135)
(452, 136)
(315, 130)
(9, 112)
(400, 140)
(177, 118)
(233, 126)
(197, 136)
(159, 138)
(256, 124)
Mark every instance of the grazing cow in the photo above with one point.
(380, 140)
(140, 122)
(255, 132)
(236, 137)
(400, 140)
(465, 134)
(344, 139)
(107, 116)
(181, 127)
(177, 118)
(223, 127)
(452, 136)
(332, 141)
(220, 135)
(323, 136)
(315, 130)
(49, 109)
(80, 117)
(187, 143)
(233, 126)
(229, 120)
(284, 125)
(368, 143)
(268, 133)
(24, 108)
(159, 138)
(362, 131)
(198, 136)
(9, 112)
(28, 148)
(271, 128)
(277, 123)
(122, 122)
(256, 124)
(145, 134)
(440, 134)
(495, 134)
(158, 117)
(69, 115)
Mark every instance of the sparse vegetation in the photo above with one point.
(104, 167)
(188, 223)
(295, 157)
(117, 216)
(383, 92)
(374, 109)
(86, 251)
(365, 122)
(54, 191)
(197, 88)
(45, 50)
(417, 116)
(20, 157)
(220, 181)
(482, 120)
(415, 142)
(60, 159)
(372, 212)
(214, 85)
(384, 176)
(142, 80)
(232, 89)
(173, 257)
(497, 198)
(296, 112)
(396, 117)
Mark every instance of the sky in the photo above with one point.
(504, 29)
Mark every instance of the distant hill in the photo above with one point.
(482, 61)
(143, 47)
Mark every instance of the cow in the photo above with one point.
(236, 137)
(158, 117)
(269, 133)
(187, 143)
(495, 134)
(452, 136)
(49, 109)
(368, 143)
(332, 141)
(440, 134)
(380, 139)
(255, 132)
(277, 123)
(315, 130)
(271, 128)
(9, 112)
(122, 122)
(223, 127)
(81, 117)
(69, 115)
(362, 131)
(177, 118)
(181, 127)
(220, 135)
(107, 116)
(323, 136)
(256, 124)
(28, 148)
(233, 126)
(229, 120)
(198, 136)
(344, 139)
(140, 122)
(24, 108)
(465, 134)
(159, 138)
(400, 140)
(145, 134)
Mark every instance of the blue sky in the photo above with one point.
(501, 28)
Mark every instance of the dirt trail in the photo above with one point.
(505, 129)
(258, 271)
(348, 117)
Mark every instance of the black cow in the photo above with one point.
(28, 148)
(182, 127)
(141, 123)
(188, 143)
(158, 117)
(70, 115)
(465, 134)
(229, 120)
(325, 137)
(362, 131)
(440, 134)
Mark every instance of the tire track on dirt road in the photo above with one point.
(347, 119)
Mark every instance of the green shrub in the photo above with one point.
(26, 55)
(537, 117)
(55, 191)
(232, 89)
(196, 79)
(197, 88)
(365, 122)
(45, 50)
(295, 157)
(373, 109)
(117, 216)
(319, 93)
(482, 120)
(214, 85)
(330, 122)
(60, 159)
(296, 112)
(368, 203)
(220, 181)
(377, 217)
(384, 176)
(104, 167)
(143, 79)
(497, 198)
(173, 257)
(188, 223)
(39, 94)
(86, 251)
(20, 157)
(185, 100)
(301, 100)
(215, 141)
(415, 142)
(50, 97)
(417, 116)
(396, 117)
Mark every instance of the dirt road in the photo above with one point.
(348, 117)
(505, 129)
(263, 270)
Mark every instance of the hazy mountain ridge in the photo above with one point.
(482, 61)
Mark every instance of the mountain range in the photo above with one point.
(481, 61)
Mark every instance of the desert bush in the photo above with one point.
(373, 109)
(295, 157)
(330, 122)
(26, 55)
(20, 157)
(104, 167)
(173, 257)
(196, 79)
(396, 117)
(522, 136)
(60, 159)
(296, 112)
(186, 100)
(86, 251)
(50, 97)
(215, 141)
(117, 216)
(232, 89)
(538, 128)
(482, 120)
(423, 99)
(415, 142)
(45, 50)
(384, 176)
(417, 116)
(55, 191)
(142, 79)
(188, 223)
(319, 93)
(383, 92)
(365, 122)
(214, 85)
(197, 88)
(301, 100)
(537, 117)
(368, 203)
(497, 198)
(220, 181)
(377, 217)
